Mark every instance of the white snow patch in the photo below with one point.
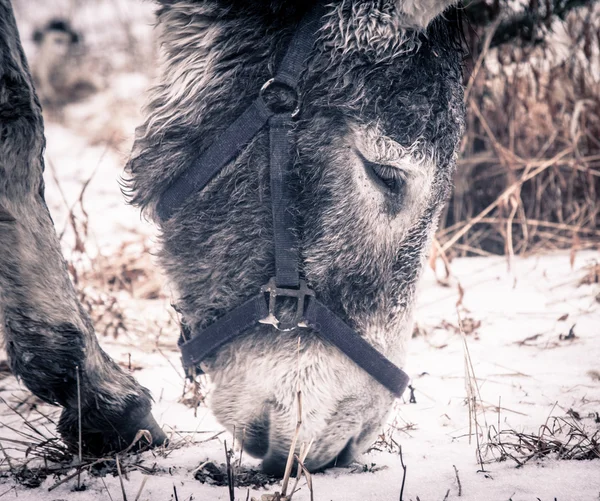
(531, 380)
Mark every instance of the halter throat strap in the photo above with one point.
(286, 283)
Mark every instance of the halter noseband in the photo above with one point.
(286, 283)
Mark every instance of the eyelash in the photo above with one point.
(390, 177)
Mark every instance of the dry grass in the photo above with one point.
(216, 474)
(592, 274)
(34, 452)
(130, 269)
(100, 282)
(473, 396)
(529, 174)
(567, 438)
(100, 279)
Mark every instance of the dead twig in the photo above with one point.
(290, 460)
(404, 468)
(7, 491)
(484, 50)
(144, 480)
(230, 474)
(106, 487)
(124, 494)
(473, 392)
(458, 481)
(7, 457)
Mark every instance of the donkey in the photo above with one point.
(378, 119)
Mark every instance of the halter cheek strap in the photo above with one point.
(262, 308)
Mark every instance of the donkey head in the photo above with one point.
(381, 116)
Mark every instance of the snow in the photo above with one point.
(525, 371)
(531, 381)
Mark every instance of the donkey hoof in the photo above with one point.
(149, 424)
(101, 437)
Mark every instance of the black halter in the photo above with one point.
(286, 283)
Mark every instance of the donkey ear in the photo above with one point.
(420, 13)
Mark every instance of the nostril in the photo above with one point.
(274, 464)
(256, 437)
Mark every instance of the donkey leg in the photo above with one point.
(50, 340)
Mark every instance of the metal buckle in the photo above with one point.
(300, 294)
(288, 88)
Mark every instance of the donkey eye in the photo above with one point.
(390, 176)
(386, 177)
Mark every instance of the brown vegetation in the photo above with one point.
(559, 438)
(529, 174)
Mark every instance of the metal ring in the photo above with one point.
(273, 80)
(266, 85)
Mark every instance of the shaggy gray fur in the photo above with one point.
(48, 336)
(380, 83)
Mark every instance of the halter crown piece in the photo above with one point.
(310, 313)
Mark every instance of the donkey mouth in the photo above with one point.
(274, 463)
(259, 442)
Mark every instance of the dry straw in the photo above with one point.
(529, 172)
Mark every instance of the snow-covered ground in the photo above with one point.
(527, 370)
(527, 360)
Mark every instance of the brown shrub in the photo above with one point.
(529, 170)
